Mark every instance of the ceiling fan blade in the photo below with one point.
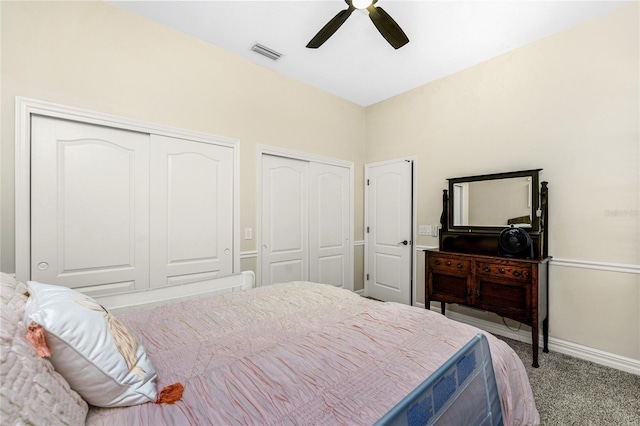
(331, 27)
(389, 29)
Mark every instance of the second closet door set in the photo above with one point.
(305, 222)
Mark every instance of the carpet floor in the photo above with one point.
(571, 391)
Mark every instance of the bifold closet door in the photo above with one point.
(284, 222)
(89, 205)
(191, 218)
(329, 224)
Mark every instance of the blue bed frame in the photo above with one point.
(462, 391)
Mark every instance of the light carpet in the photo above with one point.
(572, 391)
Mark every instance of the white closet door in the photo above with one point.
(389, 245)
(284, 224)
(89, 206)
(191, 219)
(329, 225)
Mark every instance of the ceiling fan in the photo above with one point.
(389, 29)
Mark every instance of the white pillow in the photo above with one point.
(31, 391)
(99, 357)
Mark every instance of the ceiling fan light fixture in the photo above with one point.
(385, 24)
(361, 4)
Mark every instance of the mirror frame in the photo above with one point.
(535, 200)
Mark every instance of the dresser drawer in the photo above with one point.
(520, 272)
(508, 298)
(444, 263)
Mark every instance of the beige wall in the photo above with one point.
(99, 57)
(568, 104)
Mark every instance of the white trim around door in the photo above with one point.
(26, 108)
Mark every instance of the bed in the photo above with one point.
(291, 353)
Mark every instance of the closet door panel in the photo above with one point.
(191, 217)
(284, 223)
(89, 206)
(329, 225)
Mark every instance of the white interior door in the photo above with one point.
(89, 205)
(191, 222)
(329, 225)
(389, 244)
(284, 221)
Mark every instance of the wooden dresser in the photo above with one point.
(512, 288)
(493, 249)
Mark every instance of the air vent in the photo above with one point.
(265, 51)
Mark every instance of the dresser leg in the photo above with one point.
(545, 334)
(442, 308)
(535, 337)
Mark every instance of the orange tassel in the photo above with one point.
(171, 394)
(37, 336)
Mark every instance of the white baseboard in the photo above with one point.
(576, 350)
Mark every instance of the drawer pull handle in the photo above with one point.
(459, 265)
(448, 263)
(517, 273)
(487, 270)
(437, 262)
(468, 291)
(478, 293)
(501, 270)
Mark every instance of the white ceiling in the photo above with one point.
(357, 63)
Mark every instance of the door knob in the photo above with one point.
(405, 242)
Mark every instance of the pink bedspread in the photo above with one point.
(301, 353)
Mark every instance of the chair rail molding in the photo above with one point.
(600, 266)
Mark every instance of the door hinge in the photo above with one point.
(367, 277)
(367, 182)
(367, 229)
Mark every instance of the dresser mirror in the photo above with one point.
(495, 201)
